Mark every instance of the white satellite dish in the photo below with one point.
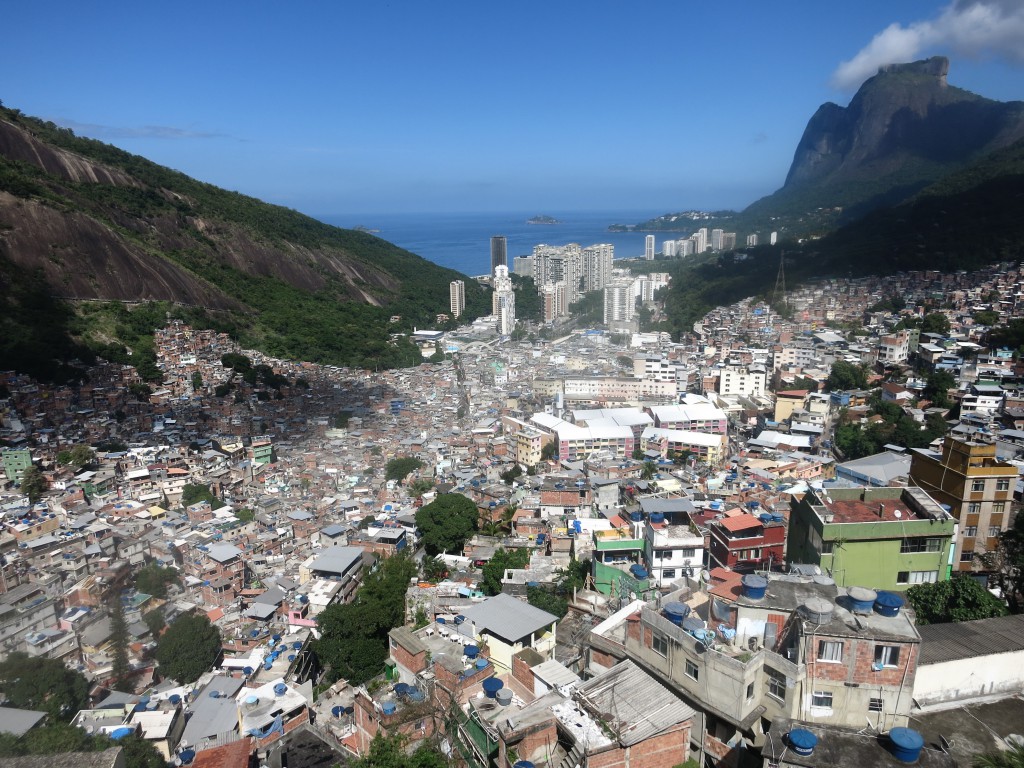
(897, 514)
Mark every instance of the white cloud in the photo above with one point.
(972, 28)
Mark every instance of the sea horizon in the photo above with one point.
(462, 241)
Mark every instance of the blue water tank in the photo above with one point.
(754, 586)
(280, 689)
(187, 756)
(297, 645)
(777, 517)
(248, 671)
(636, 517)
(291, 657)
(275, 638)
(415, 694)
(906, 744)
(492, 685)
(472, 651)
(337, 711)
(753, 504)
(862, 599)
(441, 620)
(802, 741)
(460, 619)
(214, 694)
(388, 707)
(638, 571)
(120, 733)
(577, 526)
(765, 518)
(888, 604)
(657, 517)
(676, 612)
(693, 623)
(402, 689)
(481, 662)
(522, 764)
(303, 599)
(174, 699)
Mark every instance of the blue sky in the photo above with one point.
(351, 107)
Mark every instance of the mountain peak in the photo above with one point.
(936, 66)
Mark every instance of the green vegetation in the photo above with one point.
(155, 621)
(120, 667)
(399, 468)
(34, 484)
(528, 302)
(31, 682)
(445, 523)
(392, 752)
(60, 738)
(354, 636)
(79, 456)
(434, 568)
(189, 647)
(845, 375)
(193, 493)
(962, 598)
(857, 440)
(493, 572)
(154, 580)
(1011, 757)
(169, 216)
(1006, 564)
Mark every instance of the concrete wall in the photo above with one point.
(963, 679)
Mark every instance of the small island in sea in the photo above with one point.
(543, 220)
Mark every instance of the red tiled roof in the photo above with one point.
(740, 523)
(233, 755)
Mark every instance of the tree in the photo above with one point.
(935, 322)
(649, 471)
(153, 580)
(79, 456)
(354, 636)
(638, 453)
(494, 571)
(193, 493)
(419, 486)
(392, 752)
(845, 375)
(509, 475)
(1006, 562)
(445, 523)
(549, 451)
(245, 515)
(1011, 757)
(197, 381)
(961, 598)
(547, 600)
(937, 387)
(43, 684)
(399, 468)
(434, 568)
(189, 647)
(34, 484)
(121, 670)
(155, 621)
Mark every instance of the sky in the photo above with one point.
(413, 107)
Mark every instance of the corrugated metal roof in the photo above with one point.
(968, 639)
(634, 704)
(508, 618)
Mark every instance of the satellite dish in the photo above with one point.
(897, 514)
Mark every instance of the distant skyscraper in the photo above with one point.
(668, 249)
(649, 248)
(523, 266)
(774, 238)
(457, 297)
(597, 261)
(619, 303)
(504, 301)
(716, 239)
(751, 240)
(499, 252)
(728, 241)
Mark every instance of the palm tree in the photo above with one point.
(648, 471)
(1009, 758)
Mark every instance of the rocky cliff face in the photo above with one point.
(906, 126)
(93, 242)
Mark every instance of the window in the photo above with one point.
(973, 508)
(917, 577)
(1003, 484)
(827, 547)
(874, 705)
(692, 670)
(998, 507)
(668, 573)
(776, 684)
(887, 655)
(660, 644)
(829, 650)
(750, 691)
(912, 546)
(977, 485)
(970, 531)
(994, 531)
(966, 556)
(822, 699)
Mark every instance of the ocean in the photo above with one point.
(462, 241)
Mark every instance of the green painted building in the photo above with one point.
(16, 461)
(880, 538)
(617, 564)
